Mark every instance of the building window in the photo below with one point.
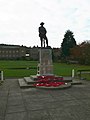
(6, 51)
(2, 51)
(22, 50)
(10, 51)
(14, 56)
(9, 55)
(3, 55)
(13, 51)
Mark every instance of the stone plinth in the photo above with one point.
(45, 66)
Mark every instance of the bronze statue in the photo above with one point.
(42, 35)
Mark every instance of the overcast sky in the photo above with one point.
(20, 19)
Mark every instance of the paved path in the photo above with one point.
(36, 104)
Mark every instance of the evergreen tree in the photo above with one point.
(68, 42)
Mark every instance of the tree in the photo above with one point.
(81, 53)
(68, 43)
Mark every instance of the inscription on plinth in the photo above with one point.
(45, 66)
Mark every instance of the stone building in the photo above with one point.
(12, 51)
(15, 52)
(34, 53)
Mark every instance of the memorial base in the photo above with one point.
(45, 66)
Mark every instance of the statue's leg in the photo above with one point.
(46, 41)
(41, 41)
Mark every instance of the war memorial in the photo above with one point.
(43, 96)
(45, 77)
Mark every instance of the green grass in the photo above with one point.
(65, 69)
(7, 67)
(60, 69)
(16, 64)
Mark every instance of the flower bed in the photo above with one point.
(49, 81)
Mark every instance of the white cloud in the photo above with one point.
(20, 19)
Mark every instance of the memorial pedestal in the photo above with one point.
(45, 66)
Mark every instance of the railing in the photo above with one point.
(80, 72)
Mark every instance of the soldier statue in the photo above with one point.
(42, 35)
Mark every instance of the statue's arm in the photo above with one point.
(39, 29)
(45, 30)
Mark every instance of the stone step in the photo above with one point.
(76, 82)
(33, 77)
(67, 78)
(29, 80)
(23, 84)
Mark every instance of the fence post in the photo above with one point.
(73, 73)
(1, 75)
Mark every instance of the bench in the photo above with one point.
(80, 72)
(72, 62)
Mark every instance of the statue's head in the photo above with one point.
(42, 23)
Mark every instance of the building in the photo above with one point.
(12, 51)
(34, 53)
(16, 52)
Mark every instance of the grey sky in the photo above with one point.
(20, 19)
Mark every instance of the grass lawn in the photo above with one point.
(11, 68)
(63, 69)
